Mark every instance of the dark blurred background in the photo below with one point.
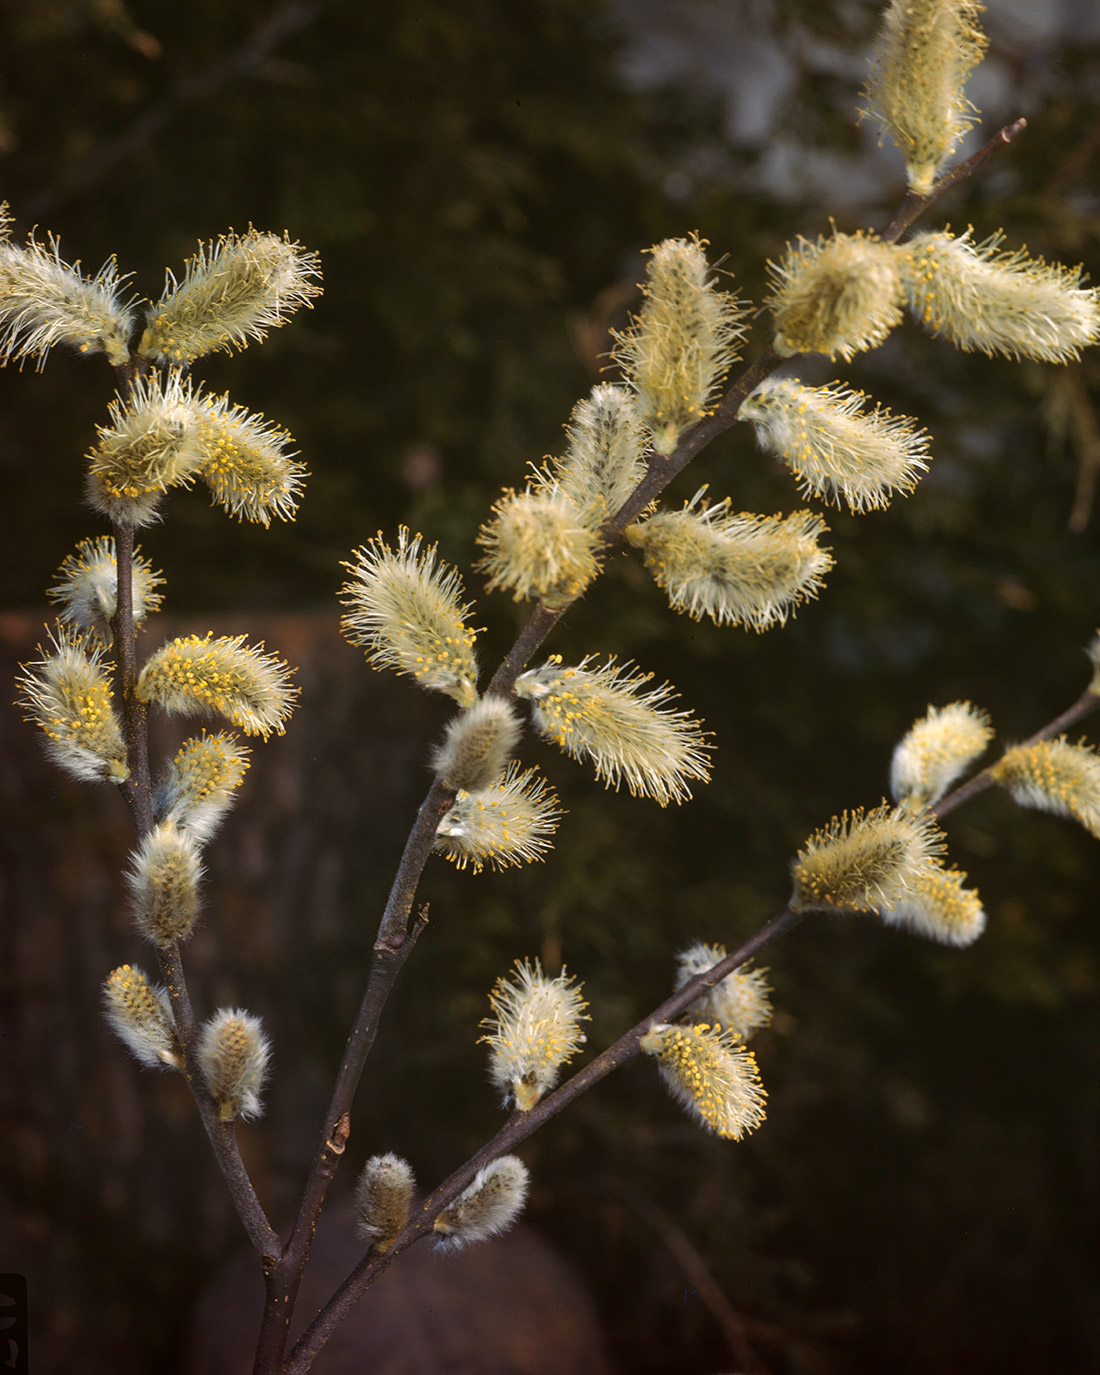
(480, 180)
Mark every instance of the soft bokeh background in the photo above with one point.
(480, 180)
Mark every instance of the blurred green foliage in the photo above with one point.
(480, 180)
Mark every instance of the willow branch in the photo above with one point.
(137, 791)
(625, 1049)
(392, 930)
(518, 1128)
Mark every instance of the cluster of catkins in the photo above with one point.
(835, 296)
(163, 432)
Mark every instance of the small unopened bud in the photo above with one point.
(198, 786)
(87, 588)
(141, 1015)
(535, 1030)
(935, 751)
(233, 290)
(924, 52)
(67, 694)
(505, 825)
(999, 302)
(736, 568)
(44, 302)
(408, 614)
(737, 1003)
(477, 745)
(711, 1074)
(164, 877)
(864, 863)
(196, 675)
(234, 1056)
(629, 734)
(1054, 776)
(540, 544)
(677, 351)
(382, 1199)
(837, 296)
(488, 1207)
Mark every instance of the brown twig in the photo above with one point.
(1087, 703)
(914, 204)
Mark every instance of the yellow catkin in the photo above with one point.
(838, 295)
(740, 1002)
(195, 675)
(535, 1030)
(406, 611)
(603, 714)
(863, 863)
(233, 290)
(735, 568)
(677, 351)
(1054, 776)
(711, 1074)
(936, 750)
(505, 825)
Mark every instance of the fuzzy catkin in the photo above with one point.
(87, 588)
(234, 1056)
(163, 878)
(68, 695)
(603, 714)
(678, 350)
(196, 675)
(923, 54)
(383, 1196)
(710, 1074)
(540, 544)
(838, 296)
(535, 1030)
(864, 862)
(505, 825)
(233, 290)
(477, 745)
(489, 1206)
(406, 611)
(837, 448)
(982, 297)
(45, 301)
(735, 568)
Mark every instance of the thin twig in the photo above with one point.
(1087, 703)
(284, 1278)
(915, 204)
